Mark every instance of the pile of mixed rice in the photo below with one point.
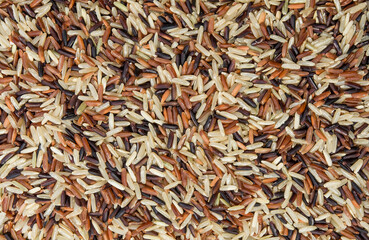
(184, 119)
